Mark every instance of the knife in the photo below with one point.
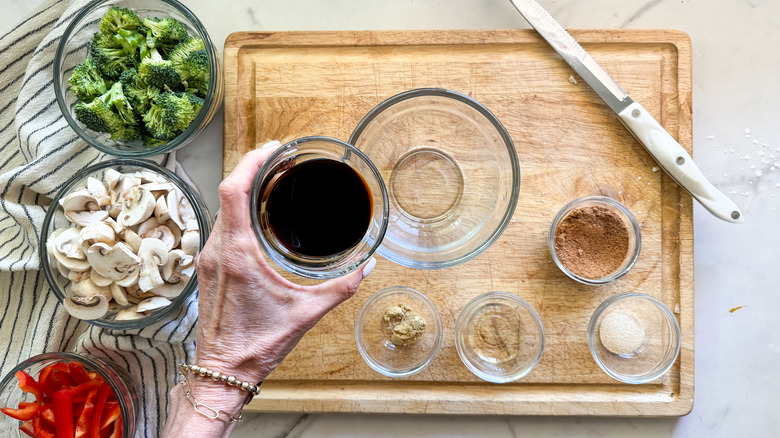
(669, 154)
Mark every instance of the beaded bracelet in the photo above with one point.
(209, 412)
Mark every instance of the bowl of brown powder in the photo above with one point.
(634, 337)
(594, 240)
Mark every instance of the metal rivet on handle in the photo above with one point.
(635, 113)
(680, 161)
(735, 215)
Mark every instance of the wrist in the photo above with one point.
(183, 417)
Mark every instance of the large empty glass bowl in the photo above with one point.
(451, 172)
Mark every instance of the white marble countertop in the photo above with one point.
(736, 104)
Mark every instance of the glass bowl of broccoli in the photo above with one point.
(137, 78)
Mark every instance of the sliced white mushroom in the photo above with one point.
(115, 262)
(169, 290)
(65, 272)
(180, 208)
(190, 242)
(99, 191)
(118, 229)
(66, 242)
(132, 277)
(128, 314)
(161, 210)
(112, 177)
(94, 233)
(98, 279)
(79, 276)
(163, 234)
(119, 192)
(153, 303)
(159, 188)
(132, 239)
(86, 288)
(82, 208)
(153, 255)
(136, 295)
(177, 260)
(86, 308)
(137, 207)
(176, 232)
(147, 225)
(119, 294)
(149, 177)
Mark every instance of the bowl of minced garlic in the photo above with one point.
(634, 337)
(398, 331)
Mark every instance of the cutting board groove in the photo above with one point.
(285, 85)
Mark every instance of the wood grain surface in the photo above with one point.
(285, 85)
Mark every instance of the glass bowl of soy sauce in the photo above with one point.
(319, 207)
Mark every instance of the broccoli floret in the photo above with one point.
(110, 112)
(118, 19)
(164, 34)
(197, 102)
(109, 56)
(192, 63)
(159, 72)
(86, 81)
(139, 93)
(116, 98)
(131, 41)
(169, 115)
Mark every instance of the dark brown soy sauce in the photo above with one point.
(319, 208)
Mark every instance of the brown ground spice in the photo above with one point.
(592, 242)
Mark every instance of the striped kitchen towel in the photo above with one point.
(38, 153)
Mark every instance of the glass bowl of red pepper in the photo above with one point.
(68, 395)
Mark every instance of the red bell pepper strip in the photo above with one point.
(84, 388)
(78, 372)
(26, 411)
(103, 393)
(27, 427)
(46, 414)
(64, 378)
(110, 414)
(63, 413)
(41, 429)
(85, 417)
(47, 379)
(28, 384)
(117, 433)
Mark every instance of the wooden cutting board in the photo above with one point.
(285, 85)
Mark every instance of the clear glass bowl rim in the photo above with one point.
(268, 248)
(376, 366)
(208, 102)
(93, 363)
(670, 318)
(568, 208)
(465, 314)
(201, 213)
(505, 137)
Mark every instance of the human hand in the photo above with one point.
(250, 317)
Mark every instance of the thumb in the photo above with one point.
(338, 290)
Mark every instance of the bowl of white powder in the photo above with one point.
(634, 337)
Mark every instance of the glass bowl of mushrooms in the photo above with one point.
(119, 242)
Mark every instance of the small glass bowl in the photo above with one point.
(499, 337)
(122, 385)
(636, 359)
(55, 218)
(73, 48)
(452, 173)
(634, 237)
(300, 151)
(373, 334)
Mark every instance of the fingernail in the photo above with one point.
(271, 144)
(369, 267)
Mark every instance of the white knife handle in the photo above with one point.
(673, 158)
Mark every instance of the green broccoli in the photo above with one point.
(86, 82)
(159, 72)
(169, 115)
(164, 34)
(197, 102)
(110, 112)
(109, 56)
(132, 41)
(139, 93)
(192, 63)
(119, 19)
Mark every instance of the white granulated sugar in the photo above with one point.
(621, 333)
(710, 137)
(755, 142)
(572, 80)
(748, 131)
(759, 173)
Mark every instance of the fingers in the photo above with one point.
(334, 292)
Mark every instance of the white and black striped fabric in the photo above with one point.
(38, 153)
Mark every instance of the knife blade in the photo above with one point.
(666, 151)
